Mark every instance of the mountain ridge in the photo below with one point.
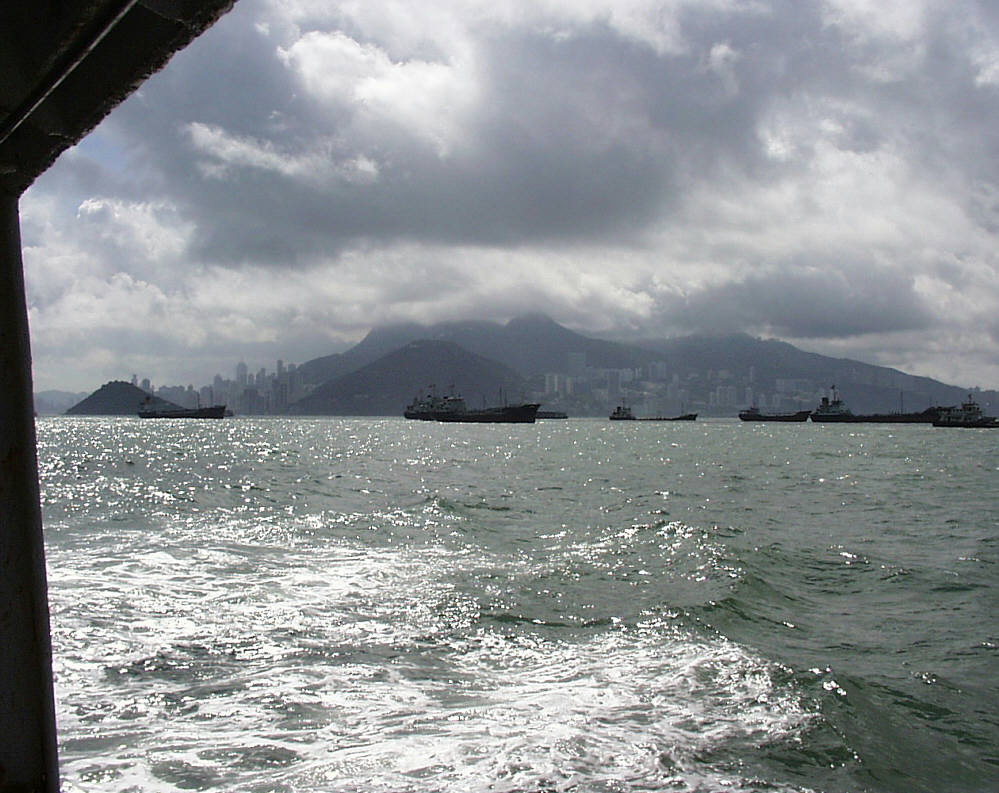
(117, 398)
(385, 386)
(512, 343)
(534, 346)
(534, 357)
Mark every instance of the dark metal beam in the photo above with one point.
(27, 711)
(67, 61)
(65, 65)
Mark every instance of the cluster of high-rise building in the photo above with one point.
(250, 393)
(654, 389)
(579, 390)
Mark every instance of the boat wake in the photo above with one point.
(342, 667)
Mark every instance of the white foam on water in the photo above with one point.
(202, 662)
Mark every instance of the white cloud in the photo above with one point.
(150, 231)
(868, 20)
(722, 60)
(223, 153)
(450, 26)
(423, 98)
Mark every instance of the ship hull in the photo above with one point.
(926, 417)
(213, 412)
(509, 414)
(749, 415)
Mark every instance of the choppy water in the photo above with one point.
(382, 605)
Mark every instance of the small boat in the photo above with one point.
(968, 415)
(755, 414)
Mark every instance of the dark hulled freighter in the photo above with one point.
(835, 411)
(453, 408)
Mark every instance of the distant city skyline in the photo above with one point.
(823, 173)
(241, 374)
(566, 371)
(249, 392)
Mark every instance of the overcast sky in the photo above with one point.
(821, 172)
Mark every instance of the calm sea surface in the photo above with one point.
(383, 605)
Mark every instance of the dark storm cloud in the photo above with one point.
(574, 137)
(542, 160)
(578, 137)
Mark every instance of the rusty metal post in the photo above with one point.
(28, 759)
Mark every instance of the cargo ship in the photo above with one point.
(453, 408)
(623, 413)
(213, 412)
(835, 411)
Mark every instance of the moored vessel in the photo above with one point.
(623, 413)
(835, 411)
(212, 412)
(453, 408)
(969, 414)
